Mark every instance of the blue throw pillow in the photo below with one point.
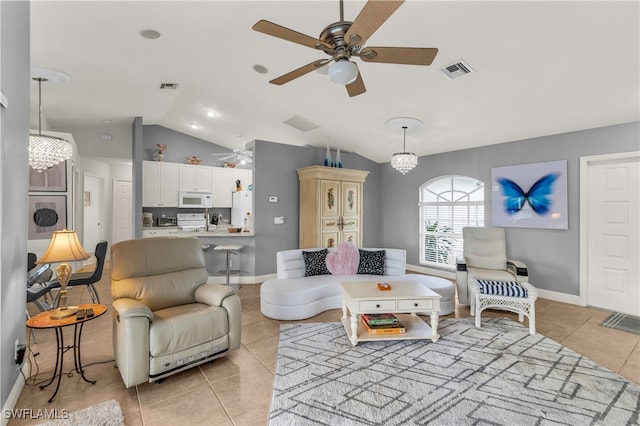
(371, 262)
(315, 263)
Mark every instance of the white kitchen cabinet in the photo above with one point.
(159, 184)
(192, 178)
(224, 184)
(244, 176)
(149, 233)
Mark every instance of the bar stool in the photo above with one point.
(229, 249)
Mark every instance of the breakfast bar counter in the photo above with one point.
(243, 261)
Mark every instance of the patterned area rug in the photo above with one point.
(498, 374)
(622, 322)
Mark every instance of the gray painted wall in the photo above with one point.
(15, 84)
(551, 255)
(180, 147)
(275, 174)
(136, 175)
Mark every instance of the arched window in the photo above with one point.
(447, 204)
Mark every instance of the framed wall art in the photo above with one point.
(54, 179)
(530, 195)
(47, 213)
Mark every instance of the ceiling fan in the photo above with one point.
(239, 156)
(343, 39)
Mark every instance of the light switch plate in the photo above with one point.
(278, 220)
(273, 199)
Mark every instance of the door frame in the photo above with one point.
(585, 162)
(101, 213)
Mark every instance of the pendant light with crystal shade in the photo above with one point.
(46, 151)
(404, 161)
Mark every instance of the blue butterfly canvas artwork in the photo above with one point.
(537, 196)
(530, 195)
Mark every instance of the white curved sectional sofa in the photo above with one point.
(292, 296)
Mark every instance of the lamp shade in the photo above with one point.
(343, 71)
(64, 247)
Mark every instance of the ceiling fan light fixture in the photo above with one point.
(343, 72)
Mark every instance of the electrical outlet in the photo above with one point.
(19, 351)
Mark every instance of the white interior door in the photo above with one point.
(122, 212)
(92, 199)
(613, 233)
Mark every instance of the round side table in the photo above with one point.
(43, 320)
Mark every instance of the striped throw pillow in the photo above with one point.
(502, 288)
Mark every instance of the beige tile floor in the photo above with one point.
(236, 390)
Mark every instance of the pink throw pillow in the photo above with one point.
(344, 261)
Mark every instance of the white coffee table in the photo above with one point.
(405, 297)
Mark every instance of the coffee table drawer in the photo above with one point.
(416, 304)
(377, 305)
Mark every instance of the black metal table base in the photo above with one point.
(77, 335)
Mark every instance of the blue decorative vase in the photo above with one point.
(338, 163)
(327, 158)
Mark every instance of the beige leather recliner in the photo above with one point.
(485, 258)
(166, 317)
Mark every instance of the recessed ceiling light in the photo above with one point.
(211, 114)
(193, 126)
(260, 69)
(150, 34)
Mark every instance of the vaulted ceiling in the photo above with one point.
(539, 68)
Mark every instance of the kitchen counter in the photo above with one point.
(244, 260)
(156, 231)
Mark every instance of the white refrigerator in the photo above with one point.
(242, 203)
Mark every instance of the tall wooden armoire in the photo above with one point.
(330, 206)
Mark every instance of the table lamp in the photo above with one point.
(64, 247)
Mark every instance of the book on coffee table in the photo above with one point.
(395, 328)
(380, 319)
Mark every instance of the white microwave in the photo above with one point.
(195, 200)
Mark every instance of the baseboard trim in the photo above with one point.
(16, 390)
(244, 279)
(560, 297)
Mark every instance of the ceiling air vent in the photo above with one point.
(301, 123)
(457, 69)
(169, 86)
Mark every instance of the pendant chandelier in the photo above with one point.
(46, 151)
(404, 161)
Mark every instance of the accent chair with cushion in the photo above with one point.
(486, 279)
(166, 316)
(485, 258)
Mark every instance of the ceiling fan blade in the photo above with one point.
(285, 78)
(372, 15)
(399, 55)
(284, 33)
(357, 87)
